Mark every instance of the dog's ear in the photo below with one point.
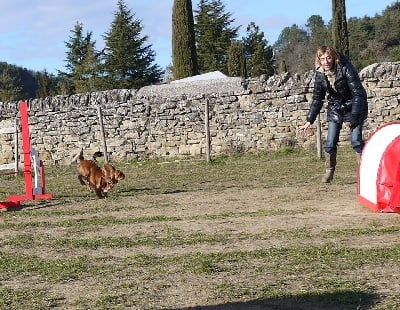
(107, 169)
(121, 175)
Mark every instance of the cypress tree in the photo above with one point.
(183, 40)
(339, 27)
(282, 67)
(236, 60)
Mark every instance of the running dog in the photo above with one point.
(91, 175)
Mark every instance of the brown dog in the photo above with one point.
(94, 176)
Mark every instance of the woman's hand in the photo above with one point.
(303, 129)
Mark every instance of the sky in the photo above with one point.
(33, 33)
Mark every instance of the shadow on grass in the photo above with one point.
(127, 192)
(37, 204)
(344, 300)
(133, 190)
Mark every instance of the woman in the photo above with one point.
(336, 78)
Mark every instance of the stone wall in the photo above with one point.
(169, 120)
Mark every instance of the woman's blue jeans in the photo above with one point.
(332, 138)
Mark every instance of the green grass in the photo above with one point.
(143, 248)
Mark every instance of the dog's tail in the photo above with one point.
(77, 157)
(80, 156)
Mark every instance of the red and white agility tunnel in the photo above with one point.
(379, 170)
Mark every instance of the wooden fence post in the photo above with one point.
(207, 129)
(16, 146)
(103, 136)
(319, 136)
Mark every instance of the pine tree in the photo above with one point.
(183, 40)
(23, 78)
(9, 89)
(339, 27)
(65, 85)
(213, 35)
(88, 72)
(319, 34)
(291, 47)
(259, 55)
(128, 61)
(80, 60)
(45, 82)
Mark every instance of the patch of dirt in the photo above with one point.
(250, 219)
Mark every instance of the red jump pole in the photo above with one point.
(14, 201)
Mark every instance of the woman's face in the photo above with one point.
(326, 61)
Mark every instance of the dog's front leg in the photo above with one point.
(99, 193)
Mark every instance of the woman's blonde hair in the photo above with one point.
(330, 51)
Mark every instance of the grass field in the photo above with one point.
(255, 231)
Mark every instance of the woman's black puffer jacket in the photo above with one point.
(347, 101)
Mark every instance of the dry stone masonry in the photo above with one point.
(169, 120)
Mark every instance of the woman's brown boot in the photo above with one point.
(330, 165)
